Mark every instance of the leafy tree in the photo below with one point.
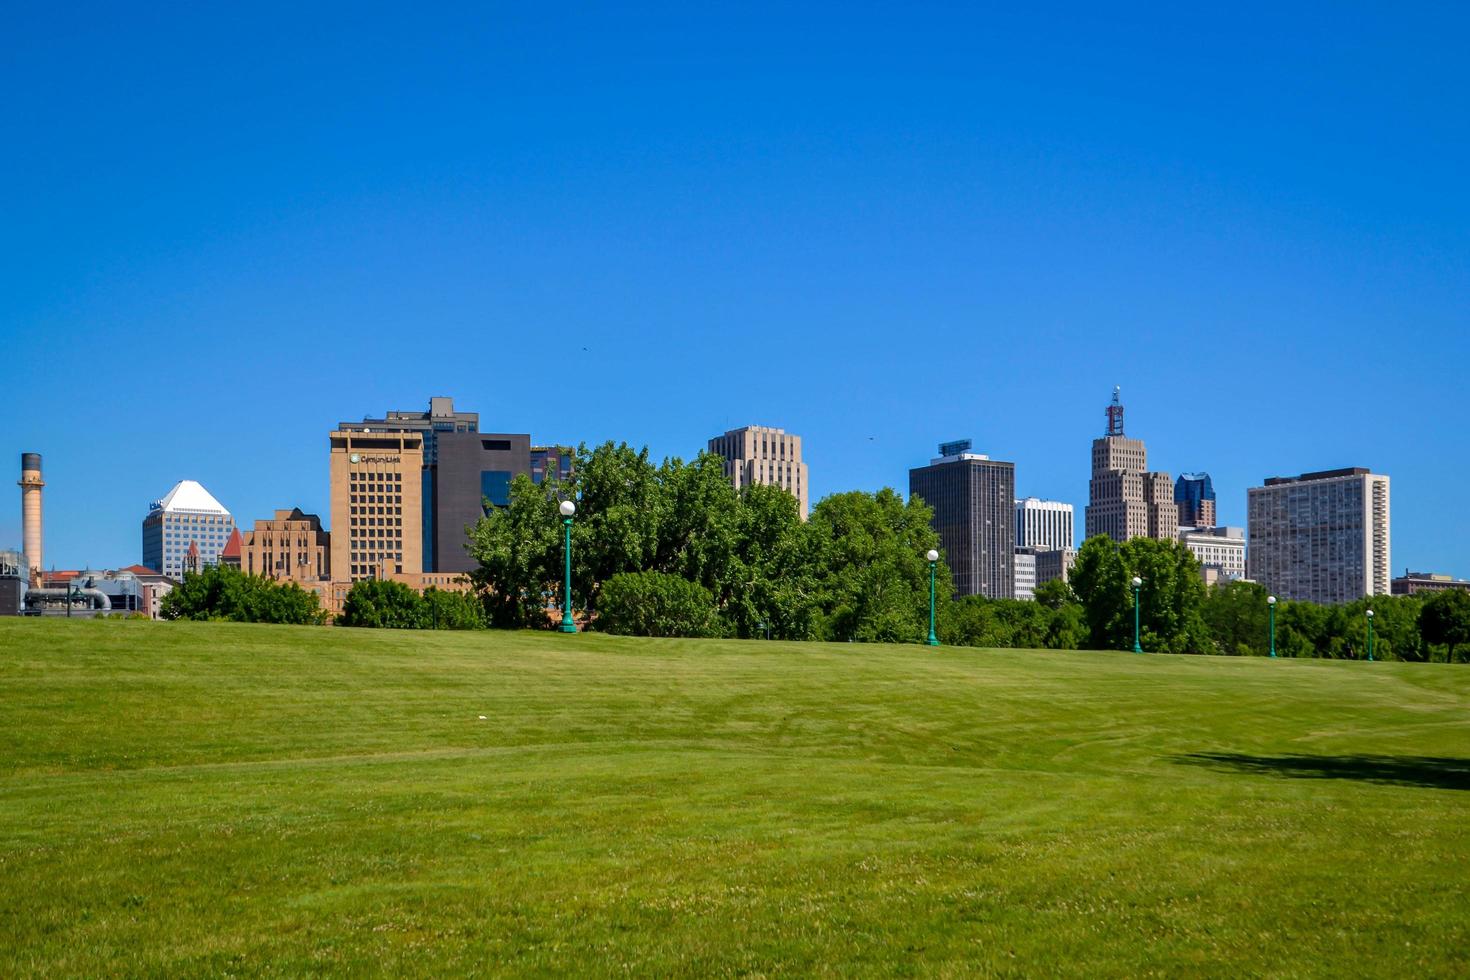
(224, 593)
(518, 549)
(1169, 600)
(656, 604)
(872, 578)
(382, 604)
(1237, 617)
(446, 609)
(1054, 594)
(1444, 621)
(770, 588)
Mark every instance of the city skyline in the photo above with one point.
(693, 220)
(55, 533)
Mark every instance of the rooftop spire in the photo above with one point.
(1115, 413)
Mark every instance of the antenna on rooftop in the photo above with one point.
(1115, 413)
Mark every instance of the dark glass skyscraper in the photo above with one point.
(1195, 496)
(974, 499)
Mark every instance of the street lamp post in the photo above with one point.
(933, 557)
(1370, 634)
(1271, 605)
(1137, 584)
(567, 510)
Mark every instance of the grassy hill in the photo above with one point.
(192, 798)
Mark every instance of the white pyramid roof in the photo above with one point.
(190, 496)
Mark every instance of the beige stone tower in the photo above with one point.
(1125, 500)
(30, 510)
(760, 454)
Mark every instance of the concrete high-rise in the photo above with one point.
(464, 471)
(1321, 537)
(1195, 495)
(1125, 499)
(440, 420)
(763, 455)
(30, 512)
(974, 499)
(1045, 525)
(188, 515)
(377, 520)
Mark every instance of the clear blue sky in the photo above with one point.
(879, 227)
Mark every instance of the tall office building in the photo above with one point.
(1045, 525)
(377, 517)
(763, 455)
(440, 419)
(463, 469)
(1125, 500)
(186, 515)
(472, 475)
(1195, 495)
(1321, 537)
(973, 498)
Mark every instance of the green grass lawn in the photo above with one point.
(211, 799)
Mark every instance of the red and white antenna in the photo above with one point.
(1115, 413)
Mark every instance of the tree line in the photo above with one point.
(672, 549)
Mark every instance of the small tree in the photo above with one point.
(449, 610)
(1445, 621)
(382, 604)
(656, 604)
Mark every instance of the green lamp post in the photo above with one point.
(1137, 584)
(1271, 605)
(933, 557)
(1370, 634)
(567, 510)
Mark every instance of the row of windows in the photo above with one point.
(375, 498)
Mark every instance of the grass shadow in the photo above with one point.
(1432, 772)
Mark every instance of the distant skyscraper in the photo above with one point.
(1023, 575)
(1195, 495)
(1125, 500)
(974, 500)
(377, 523)
(1045, 525)
(186, 515)
(463, 469)
(1321, 537)
(759, 454)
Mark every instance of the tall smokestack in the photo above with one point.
(30, 508)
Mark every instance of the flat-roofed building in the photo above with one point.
(377, 517)
(1321, 537)
(759, 454)
(1052, 566)
(291, 547)
(973, 498)
(1219, 550)
(1417, 583)
(1044, 525)
(1023, 573)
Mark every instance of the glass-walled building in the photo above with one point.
(1195, 495)
(187, 514)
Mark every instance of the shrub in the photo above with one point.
(656, 604)
(382, 605)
